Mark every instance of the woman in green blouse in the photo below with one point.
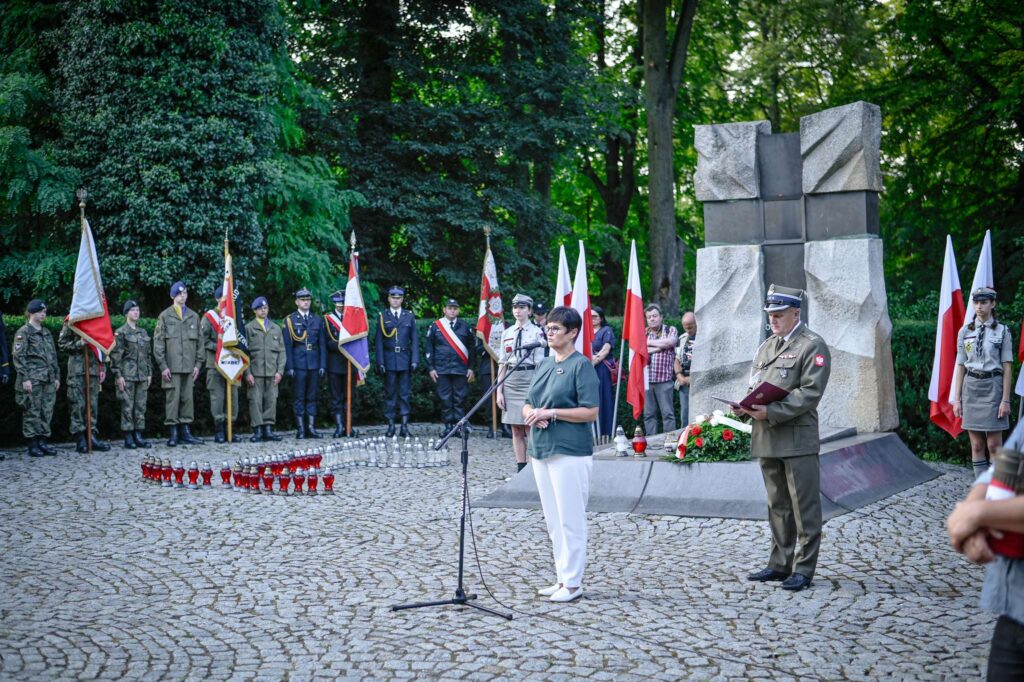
(560, 407)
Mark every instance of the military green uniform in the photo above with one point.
(787, 445)
(35, 359)
(216, 384)
(266, 358)
(176, 346)
(73, 344)
(130, 360)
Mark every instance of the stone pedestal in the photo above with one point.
(846, 300)
(730, 324)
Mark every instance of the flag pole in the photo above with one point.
(618, 381)
(348, 399)
(85, 349)
(228, 384)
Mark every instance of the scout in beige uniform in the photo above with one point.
(512, 394)
(37, 378)
(785, 439)
(267, 363)
(132, 364)
(984, 359)
(178, 353)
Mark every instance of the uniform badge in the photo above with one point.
(969, 346)
(508, 349)
(788, 356)
(783, 372)
(819, 360)
(18, 346)
(559, 371)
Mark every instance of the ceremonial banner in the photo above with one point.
(983, 277)
(563, 286)
(232, 347)
(634, 333)
(353, 337)
(951, 312)
(580, 302)
(490, 324)
(89, 317)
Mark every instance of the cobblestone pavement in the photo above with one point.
(105, 577)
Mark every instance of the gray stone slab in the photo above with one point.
(779, 165)
(840, 149)
(733, 222)
(862, 469)
(727, 160)
(783, 220)
(841, 215)
(783, 264)
(732, 490)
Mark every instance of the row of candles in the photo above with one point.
(276, 475)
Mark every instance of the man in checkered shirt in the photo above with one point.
(661, 346)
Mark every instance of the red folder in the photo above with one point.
(762, 394)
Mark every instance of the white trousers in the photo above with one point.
(563, 483)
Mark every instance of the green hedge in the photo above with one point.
(913, 343)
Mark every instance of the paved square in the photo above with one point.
(103, 576)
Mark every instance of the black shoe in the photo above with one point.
(140, 442)
(311, 431)
(767, 575)
(391, 429)
(172, 435)
(506, 432)
(796, 582)
(269, 435)
(81, 446)
(354, 433)
(490, 433)
(44, 447)
(257, 435)
(404, 431)
(339, 426)
(187, 437)
(218, 433)
(33, 448)
(300, 427)
(99, 445)
(129, 440)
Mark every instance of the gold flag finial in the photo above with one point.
(82, 196)
(352, 240)
(487, 235)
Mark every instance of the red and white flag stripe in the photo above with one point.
(951, 314)
(88, 316)
(634, 333)
(580, 301)
(563, 285)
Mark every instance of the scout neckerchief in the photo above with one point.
(291, 331)
(454, 341)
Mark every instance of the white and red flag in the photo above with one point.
(232, 347)
(490, 324)
(88, 316)
(951, 314)
(580, 302)
(563, 285)
(983, 277)
(634, 334)
(353, 337)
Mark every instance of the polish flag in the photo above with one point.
(490, 323)
(232, 355)
(951, 312)
(580, 301)
(563, 287)
(88, 316)
(983, 277)
(634, 333)
(353, 337)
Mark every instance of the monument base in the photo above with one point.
(856, 470)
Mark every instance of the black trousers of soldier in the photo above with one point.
(452, 389)
(337, 384)
(396, 391)
(305, 392)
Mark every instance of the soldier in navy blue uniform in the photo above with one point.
(337, 365)
(398, 354)
(305, 350)
(451, 360)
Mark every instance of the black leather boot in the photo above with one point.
(490, 433)
(187, 437)
(81, 447)
(354, 433)
(339, 426)
(404, 432)
(235, 438)
(140, 441)
(268, 433)
(44, 447)
(172, 435)
(391, 428)
(311, 431)
(33, 448)
(129, 440)
(300, 427)
(218, 433)
(257, 434)
(99, 445)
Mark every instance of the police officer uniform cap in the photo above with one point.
(451, 303)
(259, 302)
(780, 298)
(540, 309)
(522, 299)
(338, 297)
(129, 304)
(35, 305)
(983, 294)
(303, 293)
(177, 288)
(396, 291)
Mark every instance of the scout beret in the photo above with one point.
(259, 302)
(303, 293)
(522, 299)
(129, 304)
(396, 291)
(983, 294)
(177, 288)
(780, 298)
(451, 302)
(218, 292)
(338, 297)
(540, 309)
(35, 305)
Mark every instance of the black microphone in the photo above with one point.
(530, 346)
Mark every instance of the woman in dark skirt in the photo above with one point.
(603, 349)
(984, 357)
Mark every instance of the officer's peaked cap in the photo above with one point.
(780, 298)
(396, 291)
(303, 293)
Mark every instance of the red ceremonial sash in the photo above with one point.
(214, 319)
(453, 341)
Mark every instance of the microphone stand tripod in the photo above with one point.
(461, 598)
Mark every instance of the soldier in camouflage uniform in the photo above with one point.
(38, 378)
(75, 346)
(132, 365)
(5, 356)
(216, 384)
(267, 364)
(178, 352)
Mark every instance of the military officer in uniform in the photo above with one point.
(512, 394)
(451, 361)
(785, 439)
(216, 384)
(398, 354)
(305, 349)
(132, 366)
(177, 348)
(337, 364)
(73, 344)
(267, 365)
(37, 378)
